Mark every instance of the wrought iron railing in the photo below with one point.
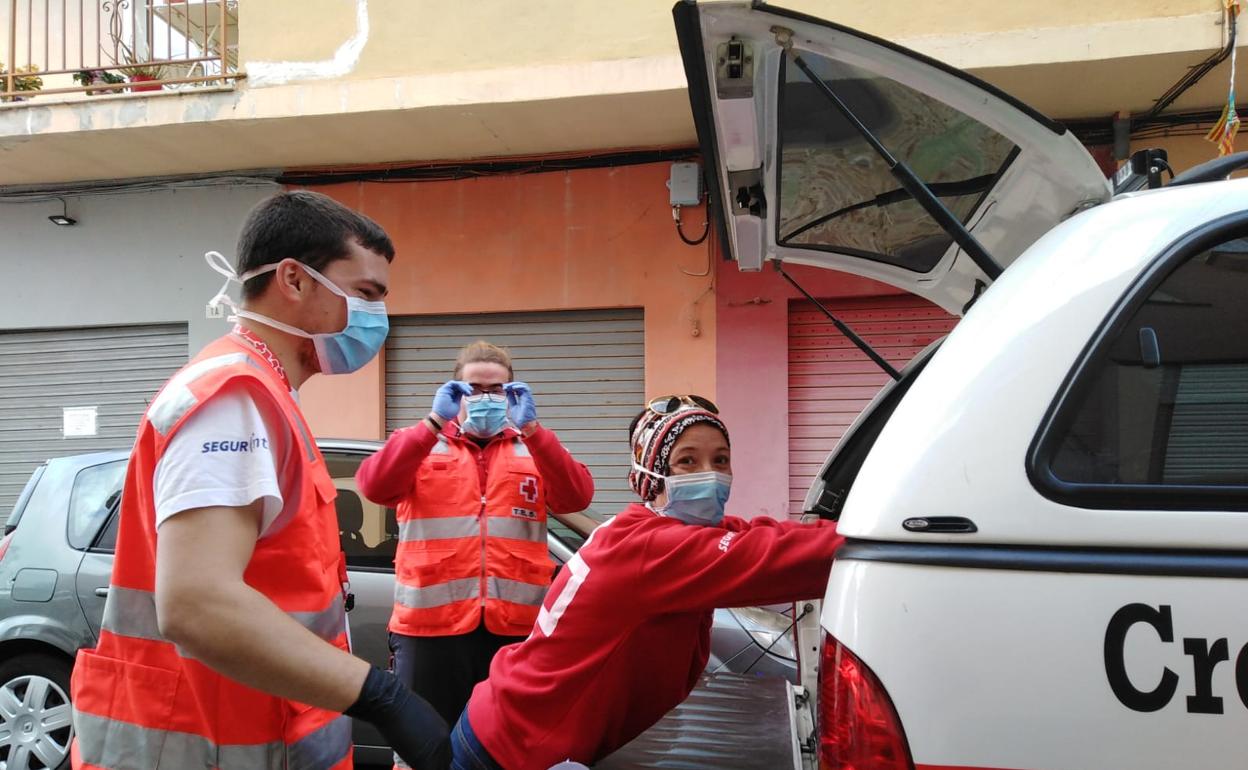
(95, 47)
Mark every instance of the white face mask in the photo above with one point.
(339, 352)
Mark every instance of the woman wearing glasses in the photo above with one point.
(472, 483)
(624, 632)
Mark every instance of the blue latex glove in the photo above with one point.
(520, 399)
(446, 401)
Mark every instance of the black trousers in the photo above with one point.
(444, 669)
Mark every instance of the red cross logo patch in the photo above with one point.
(528, 489)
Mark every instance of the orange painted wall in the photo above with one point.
(590, 238)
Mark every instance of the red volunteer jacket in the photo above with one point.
(624, 631)
(472, 525)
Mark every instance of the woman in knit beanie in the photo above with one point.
(624, 632)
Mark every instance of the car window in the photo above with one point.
(836, 194)
(1167, 402)
(95, 488)
(368, 532)
(23, 499)
(564, 534)
(107, 541)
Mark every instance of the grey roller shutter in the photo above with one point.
(1208, 442)
(586, 367)
(116, 369)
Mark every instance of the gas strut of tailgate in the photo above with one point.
(849, 333)
(906, 177)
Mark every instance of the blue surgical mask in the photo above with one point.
(487, 414)
(340, 352)
(695, 498)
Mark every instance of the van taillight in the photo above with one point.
(858, 726)
(4, 544)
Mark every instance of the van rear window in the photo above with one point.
(1168, 403)
(836, 194)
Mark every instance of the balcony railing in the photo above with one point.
(94, 47)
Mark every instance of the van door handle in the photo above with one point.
(940, 525)
(102, 592)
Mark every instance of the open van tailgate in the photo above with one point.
(728, 721)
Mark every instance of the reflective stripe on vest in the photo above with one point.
(176, 398)
(116, 744)
(446, 528)
(517, 529)
(437, 595)
(130, 612)
(514, 591)
(451, 527)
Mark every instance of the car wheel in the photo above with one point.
(35, 724)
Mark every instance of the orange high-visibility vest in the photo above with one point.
(464, 550)
(138, 700)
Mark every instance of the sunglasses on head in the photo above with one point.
(669, 404)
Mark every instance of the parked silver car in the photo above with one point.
(56, 559)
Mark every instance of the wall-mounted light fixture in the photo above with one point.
(63, 219)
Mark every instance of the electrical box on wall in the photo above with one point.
(684, 186)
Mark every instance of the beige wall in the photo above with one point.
(426, 36)
(347, 82)
(918, 19)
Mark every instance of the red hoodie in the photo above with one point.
(624, 631)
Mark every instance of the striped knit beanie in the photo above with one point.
(653, 440)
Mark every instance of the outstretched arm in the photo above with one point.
(763, 561)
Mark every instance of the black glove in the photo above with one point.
(416, 732)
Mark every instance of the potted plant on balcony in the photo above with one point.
(25, 80)
(139, 70)
(94, 76)
(144, 73)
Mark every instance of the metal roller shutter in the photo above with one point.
(1208, 441)
(116, 369)
(587, 370)
(831, 381)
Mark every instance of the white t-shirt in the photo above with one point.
(231, 452)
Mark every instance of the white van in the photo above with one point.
(1047, 514)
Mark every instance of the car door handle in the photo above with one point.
(102, 592)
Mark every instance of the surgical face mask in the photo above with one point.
(336, 352)
(695, 498)
(487, 414)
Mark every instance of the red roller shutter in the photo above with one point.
(831, 381)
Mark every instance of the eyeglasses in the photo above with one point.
(497, 398)
(493, 390)
(669, 404)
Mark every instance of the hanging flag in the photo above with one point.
(1223, 132)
